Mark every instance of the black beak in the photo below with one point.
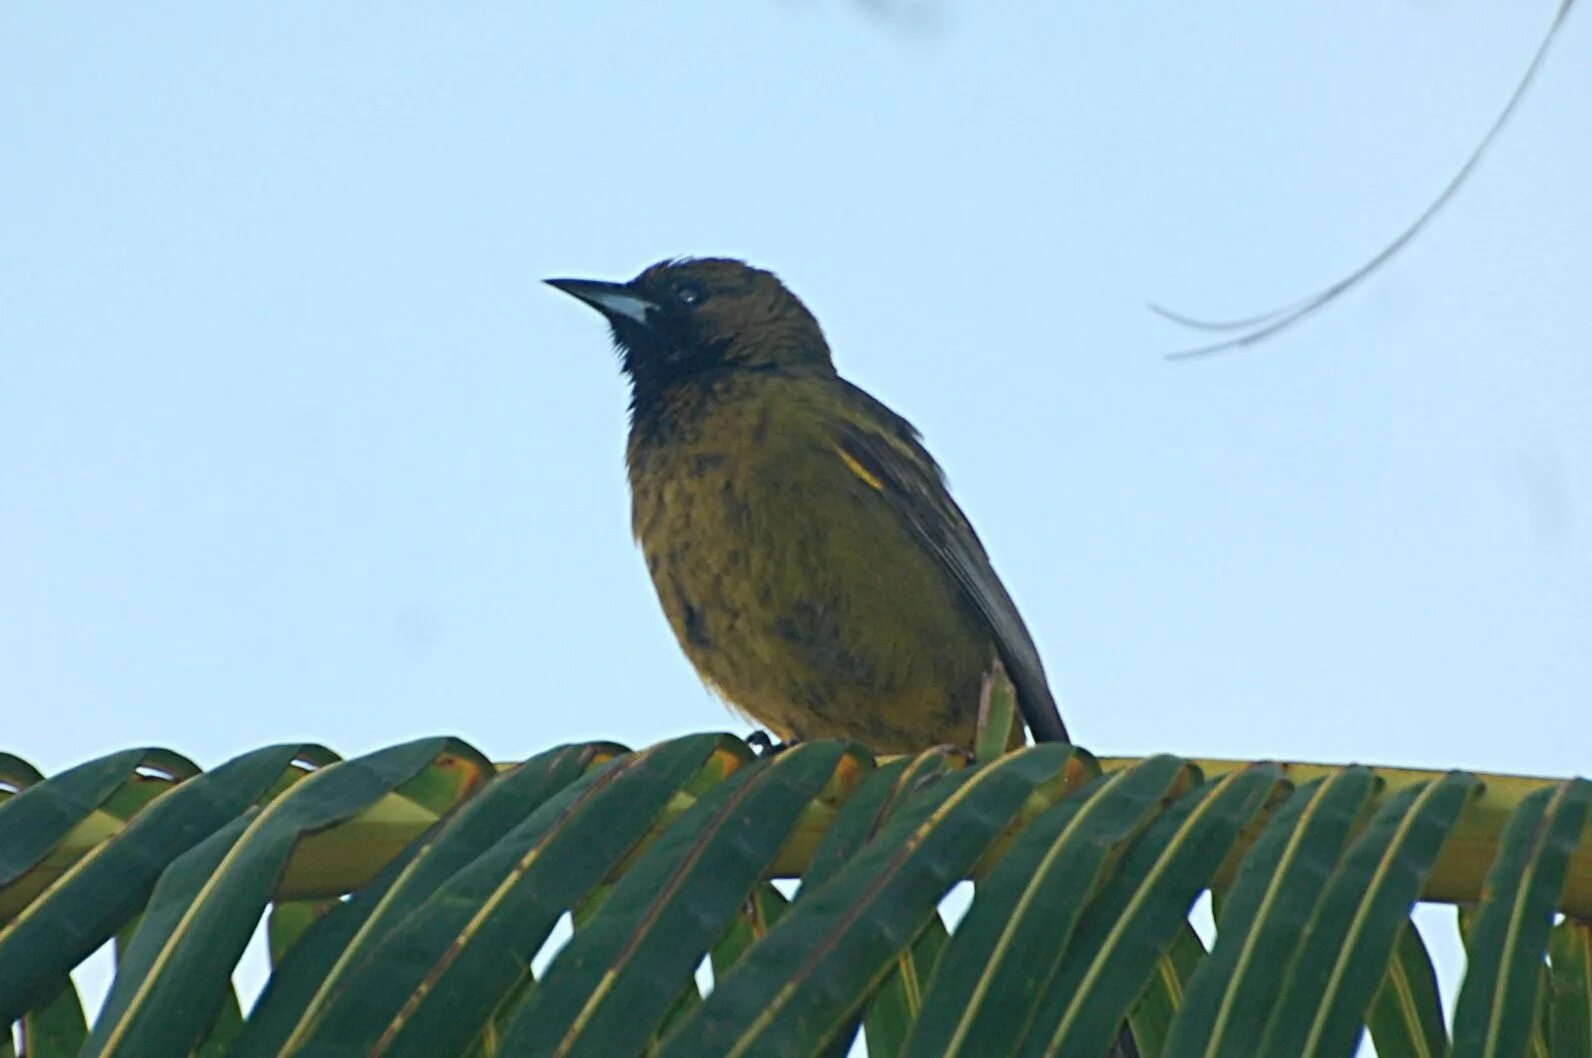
(617, 301)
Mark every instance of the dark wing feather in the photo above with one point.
(887, 447)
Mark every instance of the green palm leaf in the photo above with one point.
(406, 894)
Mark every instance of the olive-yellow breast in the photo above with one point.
(803, 544)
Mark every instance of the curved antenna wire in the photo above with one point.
(1269, 323)
(1198, 324)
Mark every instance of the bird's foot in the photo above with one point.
(763, 744)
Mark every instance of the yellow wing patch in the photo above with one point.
(861, 471)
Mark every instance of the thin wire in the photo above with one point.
(1267, 324)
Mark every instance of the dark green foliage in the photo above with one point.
(1079, 920)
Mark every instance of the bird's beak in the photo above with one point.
(614, 300)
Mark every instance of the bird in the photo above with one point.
(803, 543)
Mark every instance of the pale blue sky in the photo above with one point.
(295, 446)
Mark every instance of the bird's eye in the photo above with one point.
(689, 293)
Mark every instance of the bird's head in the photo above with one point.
(684, 317)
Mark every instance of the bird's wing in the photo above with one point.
(884, 450)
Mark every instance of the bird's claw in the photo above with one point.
(763, 744)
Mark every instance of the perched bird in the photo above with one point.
(802, 542)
